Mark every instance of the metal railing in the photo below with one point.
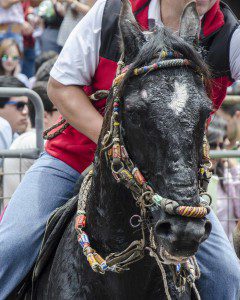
(225, 190)
(22, 153)
(39, 110)
(224, 154)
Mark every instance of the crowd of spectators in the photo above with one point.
(32, 33)
(31, 27)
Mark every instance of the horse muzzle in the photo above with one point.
(181, 236)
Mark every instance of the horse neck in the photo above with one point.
(109, 209)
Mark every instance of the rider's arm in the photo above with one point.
(76, 108)
(235, 55)
(74, 68)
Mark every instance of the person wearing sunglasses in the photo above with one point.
(14, 166)
(13, 113)
(10, 56)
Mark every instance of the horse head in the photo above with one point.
(163, 112)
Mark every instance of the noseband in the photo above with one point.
(126, 172)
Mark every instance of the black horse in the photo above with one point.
(163, 114)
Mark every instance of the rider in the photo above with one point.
(89, 59)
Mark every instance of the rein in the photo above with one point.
(124, 171)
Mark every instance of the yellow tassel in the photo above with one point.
(135, 72)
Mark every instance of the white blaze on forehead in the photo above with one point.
(144, 94)
(179, 98)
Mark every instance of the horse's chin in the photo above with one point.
(170, 259)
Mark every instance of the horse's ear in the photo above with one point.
(132, 38)
(190, 23)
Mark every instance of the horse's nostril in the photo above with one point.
(163, 229)
(208, 228)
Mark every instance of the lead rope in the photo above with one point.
(164, 276)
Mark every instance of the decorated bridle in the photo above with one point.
(126, 172)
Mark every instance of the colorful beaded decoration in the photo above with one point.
(125, 171)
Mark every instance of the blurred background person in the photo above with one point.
(74, 11)
(16, 166)
(29, 53)
(226, 171)
(51, 11)
(42, 73)
(13, 113)
(11, 21)
(10, 60)
(231, 114)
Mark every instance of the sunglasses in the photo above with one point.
(216, 145)
(52, 110)
(19, 105)
(6, 57)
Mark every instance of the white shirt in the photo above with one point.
(17, 166)
(79, 58)
(6, 134)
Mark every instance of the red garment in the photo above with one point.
(77, 150)
(214, 19)
(28, 41)
(71, 146)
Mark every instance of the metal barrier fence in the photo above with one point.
(225, 189)
(21, 154)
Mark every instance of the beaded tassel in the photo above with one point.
(97, 263)
(138, 176)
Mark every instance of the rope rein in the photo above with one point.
(124, 171)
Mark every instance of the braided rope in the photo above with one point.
(163, 64)
(163, 272)
(192, 212)
(48, 136)
(84, 190)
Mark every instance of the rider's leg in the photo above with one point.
(47, 185)
(220, 268)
